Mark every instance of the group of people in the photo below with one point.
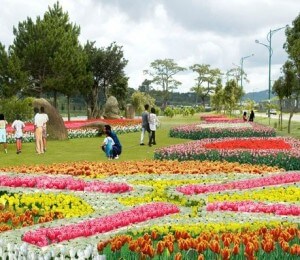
(111, 144)
(40, 132)
(149, 124)
(251, 117)
(18, 126)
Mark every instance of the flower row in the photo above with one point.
(101, 169)
(62, 183)
(45, 236)
(285, 154)
(221, 130)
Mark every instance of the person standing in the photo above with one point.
(117, 147)
(3, 124)
(38, 126)
(18, 126)
(145, 124)
(251, 117)
(44, 133)
(245, 116)
(153, 122)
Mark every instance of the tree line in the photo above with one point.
(46, 57)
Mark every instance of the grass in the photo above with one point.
(88, 149)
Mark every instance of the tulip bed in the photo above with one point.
(149, 210)
(274, 151)
(221, 128)
(82, 128)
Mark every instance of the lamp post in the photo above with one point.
(269, 47)
(242, 65)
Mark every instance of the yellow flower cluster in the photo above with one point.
(272, 194)
(69, 205)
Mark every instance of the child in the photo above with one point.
(153, 122)
(18, 125)
(3, 124)
(107, 146)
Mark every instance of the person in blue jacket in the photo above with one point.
(117, 147)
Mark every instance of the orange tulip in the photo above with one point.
(170, 247)
(236, 249)
(214, 246)
(100, 246)
(225, 253)
(200, 257)
(178, 256)
(160, 247)
(154, 235)
(267, 245)
(295, 249)
(201, 246)
(249, 249)
(284, 246)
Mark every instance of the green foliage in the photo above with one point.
(205, 75)
(49, 52)
(107, 67)
(139, 99)
(13, 107)
(169, 112)
(162, 74)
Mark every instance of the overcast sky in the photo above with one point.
(214, 32)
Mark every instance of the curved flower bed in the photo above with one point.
(285, 154)
(155, 219)
(221, 130)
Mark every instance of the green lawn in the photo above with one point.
(88, 149)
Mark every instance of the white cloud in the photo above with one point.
(215, 32)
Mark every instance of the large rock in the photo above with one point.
(55, 127)
(111, 108)
(130, 111)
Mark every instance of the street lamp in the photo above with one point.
(242, 65)
(269, 47)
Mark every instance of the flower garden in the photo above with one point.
(217, 197)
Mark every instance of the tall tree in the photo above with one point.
(49, 52)
(119, 90)
(279, 89)
(205, 75)
(107, 66)
(232, 95)
(291, 88)
(217, 99)
(292, 45)
(162, 73)
(145, 86)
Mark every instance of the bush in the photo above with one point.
(13, 107)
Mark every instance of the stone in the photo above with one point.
(111, 108)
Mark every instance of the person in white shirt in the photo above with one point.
(44, 133)
(39, 122)
(153, 122)
(18, 126)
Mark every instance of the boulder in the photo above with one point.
(111, 108)
(130, 111)
(56, 129)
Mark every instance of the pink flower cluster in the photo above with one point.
(62, 183)
(46, 236)
(286, 177)
(255, 207)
